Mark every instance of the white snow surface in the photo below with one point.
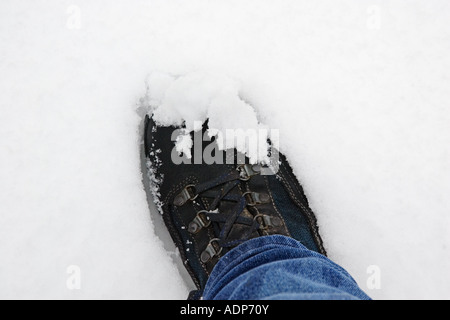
(359, 91)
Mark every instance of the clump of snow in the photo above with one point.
(192, 99)
(154, 179)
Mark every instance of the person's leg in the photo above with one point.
(279, 267)
(241, 232)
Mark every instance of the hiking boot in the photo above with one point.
(210, 208)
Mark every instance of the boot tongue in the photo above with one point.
(233, 204)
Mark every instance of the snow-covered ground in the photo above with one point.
(360, 91)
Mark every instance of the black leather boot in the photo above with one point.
(211, 208)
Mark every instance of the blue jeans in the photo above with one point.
(279, 268)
